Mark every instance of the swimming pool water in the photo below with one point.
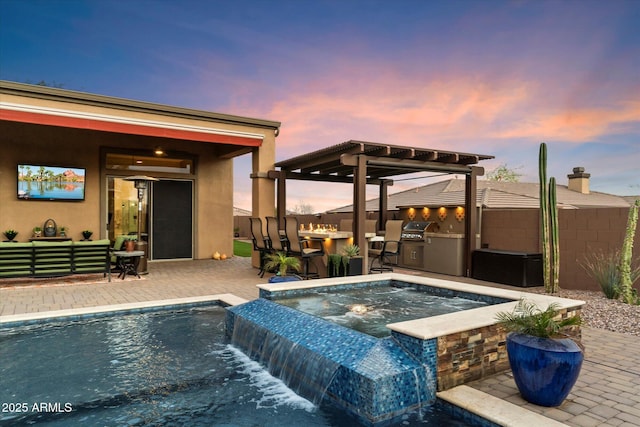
(152, 369)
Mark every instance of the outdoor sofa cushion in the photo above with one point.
(15, 259)
(52, 258)
(91, 256)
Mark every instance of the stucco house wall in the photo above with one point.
(49, 126)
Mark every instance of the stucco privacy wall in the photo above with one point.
(77, 147)
(581, 232)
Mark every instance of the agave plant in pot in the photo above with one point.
(544, 360)
(282, 263)
(349, 263)
(10, 234)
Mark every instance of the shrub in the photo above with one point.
(604, 268)
(527, 318)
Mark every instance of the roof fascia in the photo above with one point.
(83, 98)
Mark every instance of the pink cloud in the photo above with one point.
(448, 114)
(459, 112)
(576, 125)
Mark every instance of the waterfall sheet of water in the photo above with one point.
(305, 372)
(370, 377)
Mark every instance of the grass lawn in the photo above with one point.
(242, 248)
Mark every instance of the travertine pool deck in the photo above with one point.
(607, 392)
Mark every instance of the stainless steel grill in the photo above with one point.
(414, 230)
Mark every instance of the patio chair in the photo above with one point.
(118, 245)
(390, 248)
(261, 244)
(299, 246)
(277, 242)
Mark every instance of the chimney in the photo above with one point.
(579, 180)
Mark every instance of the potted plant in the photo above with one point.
(349, 263)
(37, 231)
(86, 234)
(10, 234)
(281, 262)
(545, 362)
(334, 262)
(353, 260)
(130, 243)
(63, 231)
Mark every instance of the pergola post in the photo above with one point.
(382, 204)
(471, 216)
(359, 201)
(281, 195)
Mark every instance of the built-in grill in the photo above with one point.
(414, 230)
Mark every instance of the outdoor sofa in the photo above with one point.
(51, 259)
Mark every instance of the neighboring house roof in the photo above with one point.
(492, 195)
(241, 212)
(631, 199)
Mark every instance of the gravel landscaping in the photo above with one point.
(602, 313)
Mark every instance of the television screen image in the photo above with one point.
(38, 182)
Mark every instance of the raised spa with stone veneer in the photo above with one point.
(378, 345)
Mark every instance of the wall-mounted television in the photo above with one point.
(42, 182)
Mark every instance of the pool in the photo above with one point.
(156, 368)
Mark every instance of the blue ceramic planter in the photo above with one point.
(544, 369)
(280, 279)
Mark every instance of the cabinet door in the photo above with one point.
(413, 255)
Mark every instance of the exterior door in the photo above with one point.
(172, 220)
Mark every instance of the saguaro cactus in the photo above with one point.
(548, 225)
(626, 292)
(554, 235)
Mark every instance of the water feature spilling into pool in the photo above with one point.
(158, 369)
(365, 368)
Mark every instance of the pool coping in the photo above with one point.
(445, 324)
(494, 409)
(44, 316)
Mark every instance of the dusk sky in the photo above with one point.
(486, 77)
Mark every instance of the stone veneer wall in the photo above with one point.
(470, 355)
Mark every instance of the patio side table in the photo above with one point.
(127, 262)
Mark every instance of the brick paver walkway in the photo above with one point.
(607, 392)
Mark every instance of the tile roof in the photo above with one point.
(492, 195)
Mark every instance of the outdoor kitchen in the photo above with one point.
(433, 239)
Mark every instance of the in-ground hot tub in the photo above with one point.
(378, 379)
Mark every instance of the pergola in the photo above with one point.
(363, 163)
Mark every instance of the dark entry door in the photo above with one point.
(172, 220)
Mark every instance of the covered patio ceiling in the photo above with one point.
(363, 163)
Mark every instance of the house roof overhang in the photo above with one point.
(57, 107)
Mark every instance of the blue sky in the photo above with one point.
(489, 77)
